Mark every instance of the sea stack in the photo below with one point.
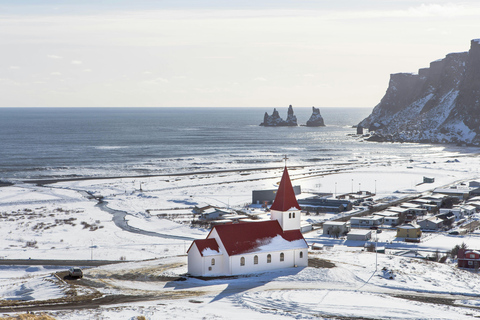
(276, 121)
(316, 120)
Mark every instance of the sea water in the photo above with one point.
(39, 143)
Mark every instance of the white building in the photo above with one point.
(250, 247)
(329, 226)
(367, 221)
(359, 235)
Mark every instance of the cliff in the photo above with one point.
(316, 119)
(276, 121)
(440, 104)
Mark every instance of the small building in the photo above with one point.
(409, 231)
(367, 221)
(427, 204)
(428, 180)
(432, 224)
(389, 217)
(447, 217)
(329, 226)
(459, 192)
(436, 198)
(468, 258)
(359, 235)
(320, 204)
(267, 196)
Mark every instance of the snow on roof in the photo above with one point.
(285, 198)
(248, 237)
(408, 226)
(335, 223)
(207, 247)
(360, 232)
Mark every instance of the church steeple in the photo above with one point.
(285, 207)
(285, 198)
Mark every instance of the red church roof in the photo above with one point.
(285, 198)
(249, 237)
(205, 244)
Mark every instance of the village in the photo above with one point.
(357, 220)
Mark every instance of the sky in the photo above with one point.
(190, 53)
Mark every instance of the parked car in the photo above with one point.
(75, 272)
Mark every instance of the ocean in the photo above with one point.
(44, 143)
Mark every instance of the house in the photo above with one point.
(389, 217)
(433, 224)
(409, 231)
(415, 210)
(367, 221)
(359, 235)
(427, 204)
(447, 217)
(468, 258)
(329, 226)
(249, 247)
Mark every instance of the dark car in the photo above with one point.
(75, 272)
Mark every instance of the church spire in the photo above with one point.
(285, 198)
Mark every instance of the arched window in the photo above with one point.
(294, 215)
(269, 258)
(242, 261)
(301, 254)
(213, 261)
(255, 260)
(289, 215)
(282, 256)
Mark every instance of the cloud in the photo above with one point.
(76, 62)
(147, 72)
(87, 70)
(52, 56)
(260, 79)
(55, 73)
(14, 67)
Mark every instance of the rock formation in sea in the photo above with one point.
(276, 121)
(440, 104)
(316, 119)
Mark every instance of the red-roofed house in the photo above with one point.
(468, 258)
(250, 247)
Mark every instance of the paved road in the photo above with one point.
(66, 263)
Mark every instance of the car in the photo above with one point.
(75, 272)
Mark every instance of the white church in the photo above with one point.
(249, 247)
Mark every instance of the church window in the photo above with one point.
(282, 256)
(289, 215)
(269, 258)
(213, 262)
(294, 215)
(255, 260)
(472, 256)
(242, 261)
(301, 254)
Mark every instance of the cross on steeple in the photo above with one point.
(285, 158)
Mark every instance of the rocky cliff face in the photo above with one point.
(440, 104)
(276, 121)
(316, 119)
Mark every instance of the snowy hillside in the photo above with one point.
(440, 104)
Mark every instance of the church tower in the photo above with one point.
(285, 207)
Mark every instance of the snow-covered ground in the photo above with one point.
(59, 221)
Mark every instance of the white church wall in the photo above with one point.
(290, 260)
(289, 220)
(213, 265)
(195, 261)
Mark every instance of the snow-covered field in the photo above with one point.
(151, 231)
